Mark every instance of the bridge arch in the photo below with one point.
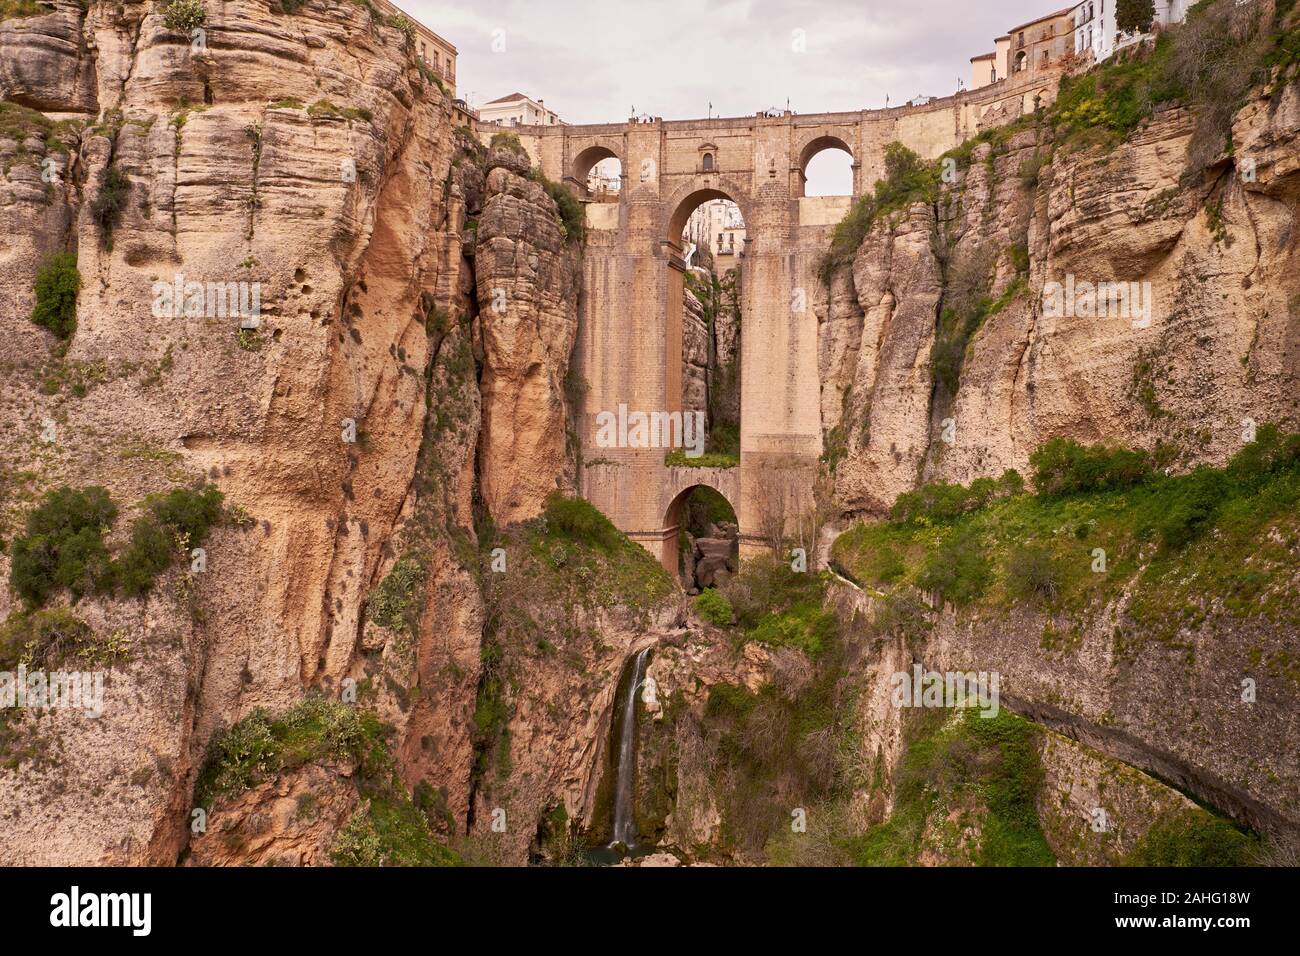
(690, 197)
(683, 482)
(815, 148)
(586, 160)
(677, 212)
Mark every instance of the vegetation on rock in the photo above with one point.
(63, 542)
(57, 284)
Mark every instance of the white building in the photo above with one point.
(517, 110)
(1096, 34)
(718, 226)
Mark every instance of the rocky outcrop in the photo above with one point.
(289, 821)
(306, 156)
(1220, 347)
(695, 350)
(527, 289)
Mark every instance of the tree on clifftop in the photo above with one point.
(1135, 16)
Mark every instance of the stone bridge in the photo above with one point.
(629, 347)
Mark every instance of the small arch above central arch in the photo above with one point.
(599, 159)
(828, 163)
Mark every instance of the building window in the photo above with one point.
(708, 162)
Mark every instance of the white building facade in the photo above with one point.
(1096, 33)
(517, 109)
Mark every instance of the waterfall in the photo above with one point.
(624, 825)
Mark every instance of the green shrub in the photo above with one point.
(357, 842)
(947, 766)
(572, 214)
(1192, 838)
(392, 604)
(38, 637)
(261, 745)
(578, 520)
(184, 16)
(107, 206)
(171, 524)
(1134, 16)
(958, 568)
(510, 141)
(1065, 467)
(63, 545)
(1032, 574)
(808, 626)
(189, 513)
(14, 9)
(148, 553)
(403, 25)
(57, 285)
(944, 502)
(1270, 451)
(714, 608)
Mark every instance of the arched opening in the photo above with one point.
(1022, 61)
(826, 168)
(705, 551)
(598, 174)
(703, 348)
(708, 162)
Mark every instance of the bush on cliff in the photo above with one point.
(63, 545)
(713, 607)
(572, 213)
(953, 764)
(1193, 838)
(36, 637)
(106, 208)
(394, 603)
(170, 524)
(184, 16)
(1065, 467)
(510, 141)
(1214, 543)
(57, 284)
(942, 502)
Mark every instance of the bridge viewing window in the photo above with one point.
(827, 167)
(598, 173)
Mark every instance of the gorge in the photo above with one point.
(365, 587)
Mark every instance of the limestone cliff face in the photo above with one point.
(1220, 351)
(1221, 346)
(528, 293)
(307, 156)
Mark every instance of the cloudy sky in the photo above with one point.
(593, 61)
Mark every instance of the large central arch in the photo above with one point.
(680, 209)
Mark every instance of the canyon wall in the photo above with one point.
(310, 156)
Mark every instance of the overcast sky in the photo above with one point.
(593, 61)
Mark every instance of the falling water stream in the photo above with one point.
(624, 824)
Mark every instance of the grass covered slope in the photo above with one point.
(1110, 579)
(1104, 523)
(965, 795)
